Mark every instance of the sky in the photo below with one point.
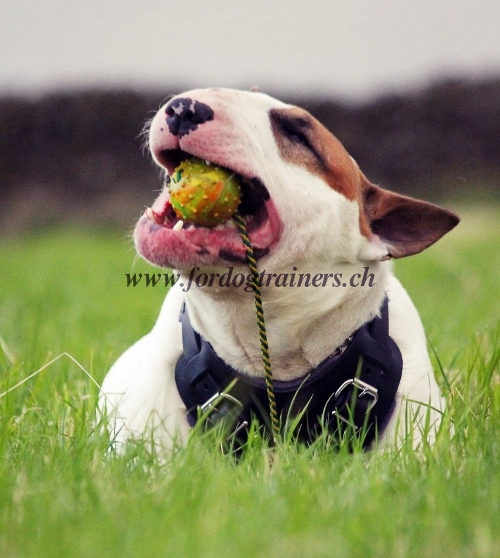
(349, 48)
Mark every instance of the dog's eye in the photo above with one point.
(293, 129)
(294, 132)
(295, 135)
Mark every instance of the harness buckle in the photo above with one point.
(221, 406)
(366, 392)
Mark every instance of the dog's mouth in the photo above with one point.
(166, 240)
(252, 206)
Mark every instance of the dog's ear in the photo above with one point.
(404, 225)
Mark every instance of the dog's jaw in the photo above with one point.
(167, 245)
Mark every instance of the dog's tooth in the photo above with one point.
(207, 162)
(153, 216)
(178, 226)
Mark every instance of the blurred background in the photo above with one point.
(412, 88)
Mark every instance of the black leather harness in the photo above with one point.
(356, 385)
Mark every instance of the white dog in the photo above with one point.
(323, 236)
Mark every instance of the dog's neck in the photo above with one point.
(304, 324)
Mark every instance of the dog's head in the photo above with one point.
(304, 198)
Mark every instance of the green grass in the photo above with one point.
(61, 496)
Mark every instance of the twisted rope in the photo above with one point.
(264, 347)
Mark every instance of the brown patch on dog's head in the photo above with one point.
(303, 141)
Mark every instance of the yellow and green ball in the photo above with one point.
(204, 194)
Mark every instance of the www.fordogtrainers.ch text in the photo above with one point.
(238, 279)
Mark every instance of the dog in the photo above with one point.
(323, 236)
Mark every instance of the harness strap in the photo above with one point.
(355, 385)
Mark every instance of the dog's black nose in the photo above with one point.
(185, 115)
